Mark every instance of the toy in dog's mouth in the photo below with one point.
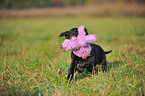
(83, 52)
(80, 44)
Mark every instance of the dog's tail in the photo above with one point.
(107, 52)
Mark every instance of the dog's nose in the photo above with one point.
(60, 45)
(62, 34)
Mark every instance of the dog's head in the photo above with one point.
(72, 32)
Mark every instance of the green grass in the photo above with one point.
(32, 62)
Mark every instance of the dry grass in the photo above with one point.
(100, 10)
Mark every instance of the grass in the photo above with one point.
(32, 62)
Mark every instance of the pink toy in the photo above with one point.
(83, 52)
(80, 44)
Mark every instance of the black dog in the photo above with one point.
(97, 56)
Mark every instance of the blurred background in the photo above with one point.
(45, 8)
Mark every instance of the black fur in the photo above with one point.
(97, 56)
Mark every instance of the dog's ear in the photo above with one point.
(66, 33)
(86, 31)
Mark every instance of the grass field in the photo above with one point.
(32, 62)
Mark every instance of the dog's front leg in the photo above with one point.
(71, 69)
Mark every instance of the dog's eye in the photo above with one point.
(82, 52)
(85, 51)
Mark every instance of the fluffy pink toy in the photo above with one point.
(83, 52)
(80, 44)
